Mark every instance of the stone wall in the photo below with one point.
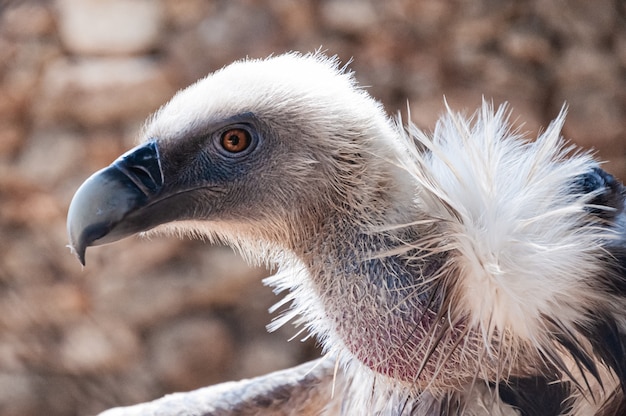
(148, 317)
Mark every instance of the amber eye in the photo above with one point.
(235, 140)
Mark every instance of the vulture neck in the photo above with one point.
(364, 274)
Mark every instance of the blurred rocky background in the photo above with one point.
(148, 317)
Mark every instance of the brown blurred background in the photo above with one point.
(78, 77)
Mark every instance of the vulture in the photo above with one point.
(464, 271)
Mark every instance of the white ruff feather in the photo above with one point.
(508, 213)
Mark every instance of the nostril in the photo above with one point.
(143, 175)
(142, 166)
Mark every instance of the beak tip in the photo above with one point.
(79, 252)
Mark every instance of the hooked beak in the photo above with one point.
(104, 208)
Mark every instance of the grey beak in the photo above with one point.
(99, 210)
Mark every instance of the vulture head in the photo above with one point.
(470, 268)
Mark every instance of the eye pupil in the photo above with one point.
(235, 140)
